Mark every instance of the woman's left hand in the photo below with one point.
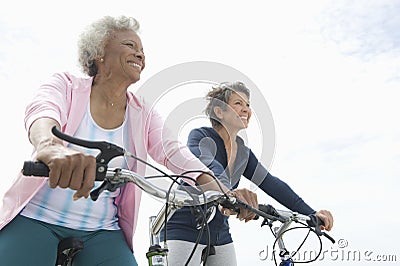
(327, 218)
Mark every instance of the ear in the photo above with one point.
(98, 61)
(218, 112)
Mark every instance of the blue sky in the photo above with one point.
(329, 71)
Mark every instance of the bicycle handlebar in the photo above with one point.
(35, 169)
(177, 197)
(180, 198)
(119, 176)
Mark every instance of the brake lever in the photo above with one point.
(268, 209)
(109, 183)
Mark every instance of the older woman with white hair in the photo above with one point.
(38, 212)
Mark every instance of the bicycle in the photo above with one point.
(204, 202)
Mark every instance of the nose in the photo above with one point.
(246, 109)
(140, 55)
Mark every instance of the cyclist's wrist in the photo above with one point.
(47, 143)
(209, 183)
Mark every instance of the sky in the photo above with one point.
(328, 71)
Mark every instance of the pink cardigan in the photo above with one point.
(64, 98)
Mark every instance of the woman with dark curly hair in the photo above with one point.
(221, 149)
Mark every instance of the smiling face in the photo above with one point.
(123, 56)
(237, 113)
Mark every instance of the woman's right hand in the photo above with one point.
(69, 169)
(247, 196)
(242, 194)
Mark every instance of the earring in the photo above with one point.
(101, 60)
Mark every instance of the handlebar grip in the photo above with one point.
(315, 221)
(38, 168)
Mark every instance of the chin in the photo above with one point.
(135, 79)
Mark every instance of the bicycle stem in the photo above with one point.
(159, 220)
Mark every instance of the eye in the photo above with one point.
(130, 45)
(133, 46)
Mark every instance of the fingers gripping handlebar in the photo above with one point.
(108, 151)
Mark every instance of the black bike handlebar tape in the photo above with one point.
(35, 169)
(38, 168)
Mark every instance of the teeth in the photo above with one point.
(135, 65)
